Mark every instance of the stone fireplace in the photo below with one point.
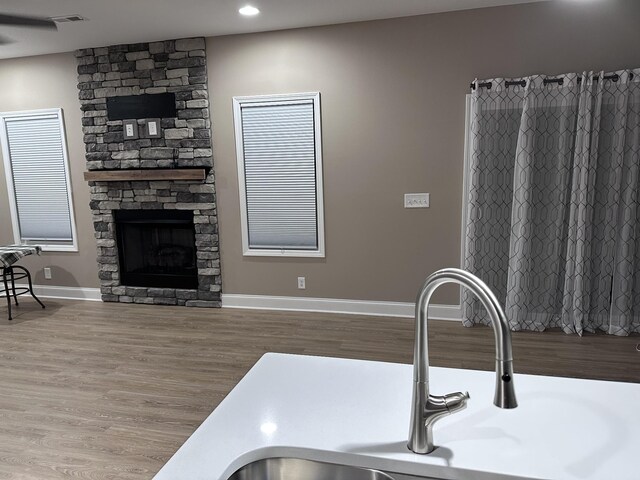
(152, 198)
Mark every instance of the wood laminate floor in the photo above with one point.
(93, 390)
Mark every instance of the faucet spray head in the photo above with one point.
(505, 392)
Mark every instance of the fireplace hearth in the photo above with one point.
(156, 248)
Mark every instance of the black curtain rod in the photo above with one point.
(560, 81)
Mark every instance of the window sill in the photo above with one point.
(284, 253)
(55, 248)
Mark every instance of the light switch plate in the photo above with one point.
(416, 200)
(153, 128)
(130, 129)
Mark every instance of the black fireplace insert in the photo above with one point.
(156, 248)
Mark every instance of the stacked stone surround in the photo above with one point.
(157, 195)
(174, 66)
(177, 66)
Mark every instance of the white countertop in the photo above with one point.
(357, 413)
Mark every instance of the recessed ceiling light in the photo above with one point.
(249, 11)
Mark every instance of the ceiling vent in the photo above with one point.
(69, 18)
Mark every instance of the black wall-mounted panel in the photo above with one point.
(159, 105)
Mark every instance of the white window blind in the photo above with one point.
(37, 177)
(280, 174)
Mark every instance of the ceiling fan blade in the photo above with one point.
(22, 21)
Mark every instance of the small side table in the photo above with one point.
(10, 273)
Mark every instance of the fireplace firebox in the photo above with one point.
(156, 248)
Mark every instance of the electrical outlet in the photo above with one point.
(416, 200)
(47, 273)
(301, 283)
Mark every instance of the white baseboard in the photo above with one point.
(334, 305)
(268, 302)
(69, 293)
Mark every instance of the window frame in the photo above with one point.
(263, 100)
(63, 246)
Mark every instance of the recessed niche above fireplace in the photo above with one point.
(156, 248)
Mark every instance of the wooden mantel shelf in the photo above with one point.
(147, 174)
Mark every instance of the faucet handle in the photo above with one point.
(433, 409)
(439, 406)
(456, 401)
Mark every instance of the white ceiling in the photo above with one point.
(130, 21)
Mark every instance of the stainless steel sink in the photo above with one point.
(298, 469)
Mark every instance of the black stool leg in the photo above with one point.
(6, 290)
(31, 287)
(13, 286)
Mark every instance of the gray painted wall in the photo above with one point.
(393, 113)
(393, 94)
(49, 81)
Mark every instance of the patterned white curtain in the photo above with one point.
(553, 222)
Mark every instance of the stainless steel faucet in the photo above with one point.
(426, 409)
